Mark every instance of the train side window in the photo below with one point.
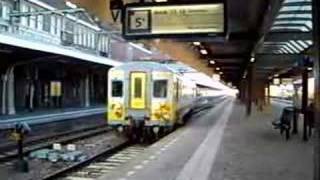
(160, 88)
(117, 88)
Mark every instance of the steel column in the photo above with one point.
(4, 94)
(11, 92)
(268, 95)
(87, 90)
(304, 104)
(249, 89)
(316, 34)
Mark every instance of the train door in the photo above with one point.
(138, 90)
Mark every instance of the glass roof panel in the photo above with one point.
(294, 1)
(293, 48)
(294, 17)
(309, 24)
(286, 28)
(303, 44)
(296, 8)
(292, 22)
(293, 43)
(306, 15)
(309, 42)
(288, 49)
(284, 50)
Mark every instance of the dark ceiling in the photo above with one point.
(246, 20)
(245, 26)
(276, 32)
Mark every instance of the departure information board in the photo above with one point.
(183, 19)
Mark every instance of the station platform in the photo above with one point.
(47, 116)
(223, 143)
(44, 122)
(51, 122)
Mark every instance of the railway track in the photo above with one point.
(9, 152)
(100, 164)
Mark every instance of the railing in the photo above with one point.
(89, 40)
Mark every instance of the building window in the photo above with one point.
(103, 43)
(93, 40)
(46, 23)
(80, 36)
(84, 37)
(24, 20)
(33, 19)
(59, 25)
(76, 36)
(40, 22)
(53, 25)
(5, 11)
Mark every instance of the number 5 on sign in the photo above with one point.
(139, 20)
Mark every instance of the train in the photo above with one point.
(146, 98)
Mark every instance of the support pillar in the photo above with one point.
(304, 102)
(87, 90)
(249, 90)
(316, 34)
(4, 94)
(268, 93)
(241, 91)
(11, 92)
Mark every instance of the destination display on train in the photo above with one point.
(174, 19)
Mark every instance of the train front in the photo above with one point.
(139, 99)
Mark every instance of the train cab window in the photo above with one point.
(117, 88)
(160, 88)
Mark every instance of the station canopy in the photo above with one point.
(277, 33)
(289, 39)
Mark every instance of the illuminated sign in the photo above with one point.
(142, 21)
(276, 81)
(287, 81)
(55, 88)
(216, 77)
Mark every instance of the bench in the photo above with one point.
(284, 122)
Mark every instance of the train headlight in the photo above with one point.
(117, 110)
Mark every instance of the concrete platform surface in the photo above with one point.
(223, 144)
(252, 150)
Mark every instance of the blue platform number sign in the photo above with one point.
(139, 21)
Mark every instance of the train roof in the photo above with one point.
(154, 66)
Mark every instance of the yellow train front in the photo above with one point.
(146, 98)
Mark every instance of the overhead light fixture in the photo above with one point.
(212, 62)
(218, 69)
(203, 51)
(276, 75)
(196, 43)
(160, 0)
(220, 73)
(310, 68)
(71, 5)
(252, 60)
